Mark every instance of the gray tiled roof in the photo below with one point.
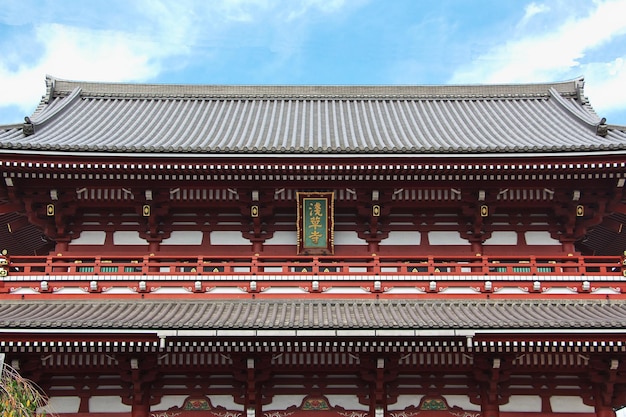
(213, 119)
(314, 315)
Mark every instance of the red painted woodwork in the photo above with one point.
(48, 275)
(317, 406)
(315, 265)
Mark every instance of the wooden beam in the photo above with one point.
(10, 208)
(17, 224)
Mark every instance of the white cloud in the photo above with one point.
(531, 10)
(142, 42)
(605, 86)
(565, 52)
(543, 56)
(325, 6)
(75, 53)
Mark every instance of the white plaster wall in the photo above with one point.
(225, 401)
(502, 237)
(540, 238)
(563, 404)
(349, 402)
(405, 401)
(522, 403)
(184, 237)
(94, 237)
(446, 238)
(224, 237)
(281, 402)
(348, 238)
(462, 401)
(58, 405)
(108, 404)
(403, 238)
(283, 238)
(128, 238)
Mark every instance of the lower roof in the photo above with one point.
(315, 315)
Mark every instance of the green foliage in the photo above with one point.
(18, 396)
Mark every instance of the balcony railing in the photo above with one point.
(25, 277)
(365, 267)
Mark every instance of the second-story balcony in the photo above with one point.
(315, 276)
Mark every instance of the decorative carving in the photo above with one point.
(347, 413)
(200, 405)
(410, 411)
(197, 404)
(28, 128)
(227, 413)
(278, 413)
(315, 404)
(429, 405)
(164, 414)
(436, 404)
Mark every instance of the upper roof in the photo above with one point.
(216, 119)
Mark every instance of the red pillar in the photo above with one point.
(489, 410)
(604, 411)
(477, 247)
(154, 245)
(140, 389)
(257, 246)
(61, 246)
(141, 408)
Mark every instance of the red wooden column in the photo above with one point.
(62, 245)
(489, 373)
(141, 396)
(488, 409)
(377, 372)
(604, 411)
(140, 407)
(607, 378)
(140, 372)
(252, 371)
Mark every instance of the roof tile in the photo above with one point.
(139, 118)
(304, 315)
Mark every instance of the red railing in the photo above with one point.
(160, 267)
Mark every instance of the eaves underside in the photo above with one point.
(314, 164)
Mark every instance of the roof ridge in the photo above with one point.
(205, 91)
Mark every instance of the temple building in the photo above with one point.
(274, 251)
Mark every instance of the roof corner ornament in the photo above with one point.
(602, 129)
(28, 128)
(580, 91)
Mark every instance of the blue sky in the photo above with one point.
(313, 42)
